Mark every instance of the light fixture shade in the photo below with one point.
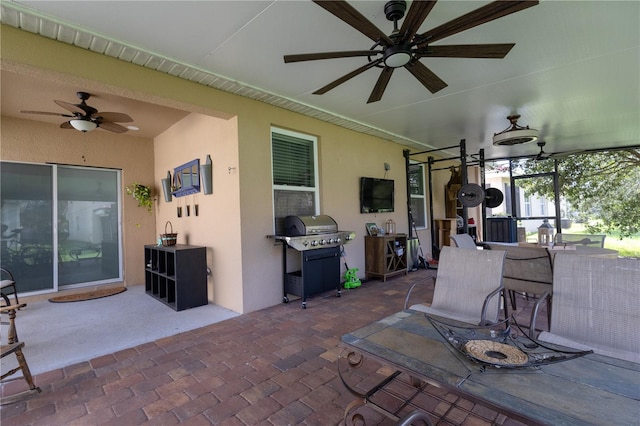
(83, 125)
(515, 135)
(397, 56)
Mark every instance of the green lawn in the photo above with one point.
(627, 247)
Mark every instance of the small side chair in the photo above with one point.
(13, 347)
(8, 287)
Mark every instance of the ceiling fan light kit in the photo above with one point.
(85, 118)
(515, 134)
(397, 56)
(83, 125)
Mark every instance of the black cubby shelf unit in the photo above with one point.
(176, 275)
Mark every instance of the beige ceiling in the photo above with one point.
(22, 92)
(574, 73)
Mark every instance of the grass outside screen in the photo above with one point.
(376, 195)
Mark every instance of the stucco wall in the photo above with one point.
(246, 265)
(217, 225)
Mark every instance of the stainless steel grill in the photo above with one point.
(313, 232)
(318, 240)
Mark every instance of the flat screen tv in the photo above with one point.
(376, 195)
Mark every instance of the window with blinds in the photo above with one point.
(294, 166)
(417, 193)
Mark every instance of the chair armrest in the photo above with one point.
(12, 307)
(485, 305)
(406, 299)
(534, 315)
(416, 416)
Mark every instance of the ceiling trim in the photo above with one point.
(27, 19)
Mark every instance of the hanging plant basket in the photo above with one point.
(142, 195)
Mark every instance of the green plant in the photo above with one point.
(142, 194)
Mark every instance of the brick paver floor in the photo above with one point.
(277, 366)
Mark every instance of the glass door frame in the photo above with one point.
(55, 251)
(120, 277)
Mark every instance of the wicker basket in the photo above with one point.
(168, 239)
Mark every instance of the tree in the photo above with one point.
(601, 186)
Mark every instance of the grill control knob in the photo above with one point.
(305, 243)
(314, 243)
(338, 240)
(331, 240)
(323, 242)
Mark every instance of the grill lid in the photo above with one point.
(309, 225)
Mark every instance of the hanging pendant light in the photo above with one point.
(515, 134)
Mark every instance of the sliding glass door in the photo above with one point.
(87, 221)
(60, 225)
(27, 225)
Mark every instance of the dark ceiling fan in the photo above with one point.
(542, 155)
(86, 118)
(404, 47)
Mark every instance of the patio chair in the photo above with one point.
(595, 305)
(464, 241)
(12, 346)
(469, 286)
(581, 239)
(528, 271)
(8, 287)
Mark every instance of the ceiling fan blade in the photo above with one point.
(112, 127)
(66, 125)
(566, 153)
(482, 15)
(346, 12)
(70, 107)
(418, 12)
(425, 76)
(117, 117)
(336, 83)
(47, 113)
(381, 85)
(490, 51)
(329, 55)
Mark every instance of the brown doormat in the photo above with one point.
(96, 294)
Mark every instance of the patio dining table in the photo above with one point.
(576, 249)
(585, 251)
(591, 389)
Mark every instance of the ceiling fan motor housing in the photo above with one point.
(395, 9)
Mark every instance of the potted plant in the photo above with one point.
(142, 194)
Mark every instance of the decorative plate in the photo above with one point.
(494, 345)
